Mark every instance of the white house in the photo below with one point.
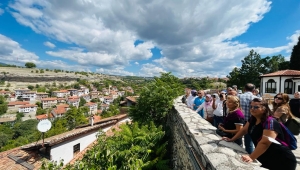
(85, 90)
(92, 107)
(73, 101)
(284, 81)
(60, 93)
(19, 92)
(48, 102)
(29, 95)
(28, 108)
(40, 95)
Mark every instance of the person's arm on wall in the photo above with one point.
(200, 107)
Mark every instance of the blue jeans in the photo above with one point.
(248, 143)
(217, 120)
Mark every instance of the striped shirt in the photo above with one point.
(245, 100)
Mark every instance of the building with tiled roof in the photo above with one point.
(66, 146)
(48, 102)
(27, 108)
(29, 95)
(93, 107)
(41, 95)
(283, 81)
(60, 110)
(16, 104)
(19, 92)
(131, 100)
(44, 116)
(61, 93)
(3, 93)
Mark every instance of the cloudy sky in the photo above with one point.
(146, 37)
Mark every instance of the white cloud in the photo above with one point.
(136, 63)
(1, 11)
(150, 70)
(11, 52)
(195, 36)
(49, 44)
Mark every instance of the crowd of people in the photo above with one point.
(248, 115)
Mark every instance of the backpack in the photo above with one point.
(293, 125)
(289, 139)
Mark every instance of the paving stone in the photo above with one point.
(232, 145)
(227, 151)
(217, 158)
(207, 148)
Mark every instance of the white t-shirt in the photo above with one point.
(208, 110)
(219, 108)
(190, 101)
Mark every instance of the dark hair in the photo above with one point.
(267, 111)
(249, 87)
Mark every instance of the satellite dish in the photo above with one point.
(44, 125)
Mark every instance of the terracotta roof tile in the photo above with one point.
(17, 103)
(28, 105)
(132, 98)
(90, 104)
(283, 73)
(49, 99)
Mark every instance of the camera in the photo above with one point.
(214, 96)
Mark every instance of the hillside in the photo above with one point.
(22, 77)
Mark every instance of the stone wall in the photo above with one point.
(196, 145)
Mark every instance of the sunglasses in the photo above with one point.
(279, 98)
(254, 107)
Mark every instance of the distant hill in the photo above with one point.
(3, 64)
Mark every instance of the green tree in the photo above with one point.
(234, 78)
(74, 117)
(30, 65)
(295, 57)
(156, 99)
(31, 87)
(252, 67)
(24, 128)
(3, 105)
(275, 63)
(82, 102)
(134, 147)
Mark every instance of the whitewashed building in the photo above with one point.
(28, 108)
(61, 93)
(284, 81)
(19, 92)
(93, 107)
(48, 102)
(29, 96)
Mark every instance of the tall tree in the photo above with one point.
(234, 77)
(295, 57)
(252, 67)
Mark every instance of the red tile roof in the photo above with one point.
(132, 98)
(28, 105)
(44, 116)
(90, 104)
(283, 73)
(17, 103)
(48, 99)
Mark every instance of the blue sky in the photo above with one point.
(188, 38)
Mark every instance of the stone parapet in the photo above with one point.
(195, 144)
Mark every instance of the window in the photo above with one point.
(76, 148)
(288, 86)
(270, 86)
(298, 87)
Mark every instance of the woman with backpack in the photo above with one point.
(272, 145)
(283, 113)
